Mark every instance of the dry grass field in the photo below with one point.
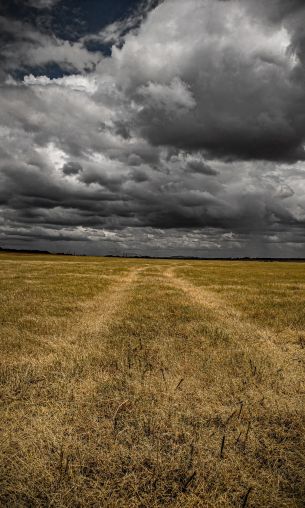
(136, 383)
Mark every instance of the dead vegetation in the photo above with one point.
(151, 383)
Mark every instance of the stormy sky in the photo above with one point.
(153, 127)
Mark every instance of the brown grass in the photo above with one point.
(151, 383)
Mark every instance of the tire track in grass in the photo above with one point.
(246, 333)
(99, 313)
(52, 423)
(69, 351)
(88, 343)
(106, 306)
(269, 388)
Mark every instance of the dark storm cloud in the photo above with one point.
(239, 92)
(198, 166)
(188, 138)
(72, 168)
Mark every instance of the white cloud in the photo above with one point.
(166, 47)
(53, 155)
(176, 95)
(79, 83)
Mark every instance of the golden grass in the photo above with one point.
(151, 383)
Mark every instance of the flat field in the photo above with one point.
(136, 383)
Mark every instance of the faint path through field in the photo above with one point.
(101, 310)
(98, 314)
(247, 332)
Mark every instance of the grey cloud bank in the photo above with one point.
(188, 139)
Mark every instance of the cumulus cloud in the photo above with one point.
(240, 74)
(182, 141)
(201, 167)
